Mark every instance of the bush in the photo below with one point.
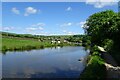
(107, 43)
(94, 49)
(95, 69)
(42, 46)
(96, 53)
(4, 48)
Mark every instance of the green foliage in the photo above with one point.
(94, 49)
(104, 30)
(107, 44)
(86, 41)
(96, 53)
(102, 25)
(95, 68)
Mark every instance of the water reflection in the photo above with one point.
(45, 63)
(57, 74)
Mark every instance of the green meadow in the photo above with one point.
(20, 44)
(16, 44)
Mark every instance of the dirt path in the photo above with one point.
(113, 71)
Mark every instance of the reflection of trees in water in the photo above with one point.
(4, 53)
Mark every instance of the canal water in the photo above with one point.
(65, 62)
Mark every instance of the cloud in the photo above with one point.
(81, 23)
(34, 28)
(31, 29)
(15, 10)
(64, 31)
(66, 24)
(68, 32)
(7, 28)
(42, 33)
(38, 26)
(101, 3)
(38, 32)
(69, 9)
(30, 10)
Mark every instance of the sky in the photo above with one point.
(49, 18)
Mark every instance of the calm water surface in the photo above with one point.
(45, 63)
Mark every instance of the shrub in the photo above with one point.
(107, 43)
(94, 49)
(96, 53)
(95, 69)
(42, 46)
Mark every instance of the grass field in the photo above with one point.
(16, 44)
(13, 44)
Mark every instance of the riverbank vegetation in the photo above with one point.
(16, 42)
(95, 68)
(103, 30)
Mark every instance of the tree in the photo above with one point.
(104, 30)
(102, 25)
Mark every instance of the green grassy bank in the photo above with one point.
(95, 68)
(13, 44)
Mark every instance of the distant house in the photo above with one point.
(65, 41)
(58, 42)
(49, 38)
(55, 41)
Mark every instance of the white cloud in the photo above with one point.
(31, 29)
(40, 33)
(69, 24)
(15, 10)
(66, 24)
(101, 3)
(69, 9)
(7, 28)
(81, 23)
(64, 31)
(39, 25)
(40, 28)
(68, 32)
(30, 10)
(34, 28)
